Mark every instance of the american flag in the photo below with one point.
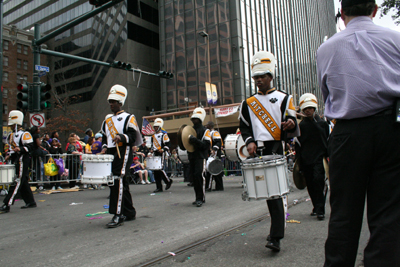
(147, 129)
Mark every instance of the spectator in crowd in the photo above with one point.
(140, 170)
(73, 161)
(97, 144)
(78, 144)
(143, 150)
(175, 163)
(46, 144)
(38, 154)
(89, 133)
(55, 149)
(88, 147)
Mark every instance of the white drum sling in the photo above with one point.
(97, 169)
(265, 177)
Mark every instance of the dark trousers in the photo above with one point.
(219, 184)
(197, 167)
(364, 167)
(187, 174)
(23, 185)
(315, 180)
(161, 175)
(121, 199)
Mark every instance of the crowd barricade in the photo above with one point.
(72, 165)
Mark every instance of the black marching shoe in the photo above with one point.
(116, 221)
(157, 190)
(313, 214)
(190, 184)
(29, 205)
(4, 209)
(169, 184)
(218, 190)
(195, 202)
(208, 190)
(199, 203)
(127, 219)
(320, 217)
(273, 244)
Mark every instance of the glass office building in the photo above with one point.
(235, 29)
(126, 32)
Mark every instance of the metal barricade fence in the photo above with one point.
(72, 169)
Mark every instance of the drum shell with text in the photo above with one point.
(154, 163)
(235, 147)
(265, 177)
(97, 169)
(183, 156)
(7, 173)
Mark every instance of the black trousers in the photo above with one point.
(364, 168)
(161, 175)
(315, 180)
(197, 167)
(23, 185)
(219, 184)
(121, 199)
(275, 206)
(187, 174)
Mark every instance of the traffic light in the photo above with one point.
(166, 75)
(22, 96)
(45, 96)
(98, 3)
(121, 65)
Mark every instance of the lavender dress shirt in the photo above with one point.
(359, 70)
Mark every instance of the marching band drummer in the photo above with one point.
(216, 142)
(122, 133)
(263, 119)
(160, 144)
(21, 144)
(197, 159)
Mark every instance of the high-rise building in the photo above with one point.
(127, 32)
(291, 29)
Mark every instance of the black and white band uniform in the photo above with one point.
(21, 146)
(198, 158)
(122, 133)
(216, 148)
(160, 145)
(266, 119)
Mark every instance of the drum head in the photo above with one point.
(230, 147)
(298, 177)
(215, 167)
(241, 149)
(188, 130)
(179, 134)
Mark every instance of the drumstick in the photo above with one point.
(119, 155)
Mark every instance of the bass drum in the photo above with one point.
(183, 156)
(235, 148)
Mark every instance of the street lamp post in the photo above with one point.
(205, 35)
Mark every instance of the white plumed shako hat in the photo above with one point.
(158, 122)
(118, 93)
(308, 100)
(263, 62)
(199, 113)
(15, 117)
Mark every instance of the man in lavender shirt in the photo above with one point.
(359, 75)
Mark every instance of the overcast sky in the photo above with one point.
(385, 21)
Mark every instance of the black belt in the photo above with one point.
(385, 112)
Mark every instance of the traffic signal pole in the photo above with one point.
(1, 75)
(36, 79)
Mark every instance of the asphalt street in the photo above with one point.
(225, 231)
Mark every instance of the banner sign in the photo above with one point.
(208, 92)
(214, 94)
(224, 112)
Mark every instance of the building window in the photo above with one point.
(5, 93)
(5, 76)
(19, 63)
(5, 45)
(5, 61)
(25, 65)
(19, 48)
(5, 109)
(25, 50)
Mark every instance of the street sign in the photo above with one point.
(37, 119)
(42, 73)
(42, 68)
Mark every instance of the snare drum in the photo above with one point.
(7, 173)
(183, 156)
(235, 148)
(154, 163)
(97, 169)
(265, 177)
